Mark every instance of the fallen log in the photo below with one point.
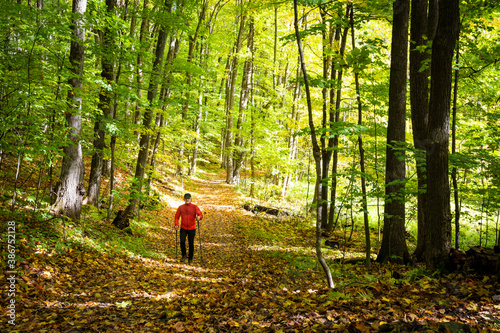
(484, 259)
(268, 210)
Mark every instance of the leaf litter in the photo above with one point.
(253, 274)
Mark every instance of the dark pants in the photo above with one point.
(190, 235)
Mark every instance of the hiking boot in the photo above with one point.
(190, 260)
(183, 258)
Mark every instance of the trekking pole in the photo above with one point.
(175, 243)
(199, 229)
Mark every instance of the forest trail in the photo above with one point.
(255, 274)
(229, 286)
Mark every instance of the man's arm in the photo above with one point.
(199, 214)
(177, 215)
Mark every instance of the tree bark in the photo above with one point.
(438, 214)
(422, 31)
(453, 151)
(70, 189)
(393, 241)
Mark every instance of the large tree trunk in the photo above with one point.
(422, 31)
(438, 214)
(70, 189)
(108, 76)
(393, 241)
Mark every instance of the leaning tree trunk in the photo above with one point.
(108, 76)
(316, 153)
(393, 241)
(438, 212)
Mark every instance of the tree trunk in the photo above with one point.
(335, 96)
(140, 170)
(328, 114)
(422, 31)
(393, 241)
(453, 151)
(364, 203)
(108, 76)
(70, 189)
(438, 214)
(246, 89)
(197, 127)
(139, 76)
(231, 85)
(316, 154)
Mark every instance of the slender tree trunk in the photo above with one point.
(139, 75)
(140, 170)
(70, 189)
(197, 128)
(393, 241)
(438, 214)
(292, 138)
(193, 40)
(108, 76)
(335, 96)
(364, 203)
(231, 85)
(453, 151)
(316, 154)
(328, 115)
(246, 89)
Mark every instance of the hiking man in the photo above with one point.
(189, 214)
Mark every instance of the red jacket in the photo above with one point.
(187, 213)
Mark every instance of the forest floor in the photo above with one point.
(255, 273)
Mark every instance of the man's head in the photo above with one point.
(187, 198)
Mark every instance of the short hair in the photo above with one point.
(187, 196)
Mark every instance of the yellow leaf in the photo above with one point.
(123, 304)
